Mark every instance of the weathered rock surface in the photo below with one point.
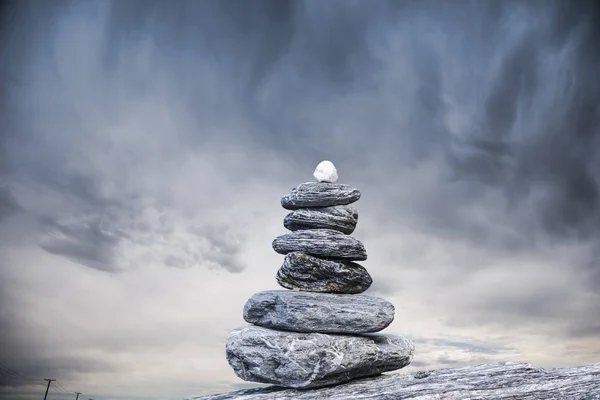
(311, 360)
(503, 381)
(307, 273)
(318, 312)
(338, 218)
(325, 243)
(319, 194)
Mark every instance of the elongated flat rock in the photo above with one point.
(338, 218)
(325, 243)
(318, 312)
(311, 360)
(307, 273)
(319, 194)
(501, 381)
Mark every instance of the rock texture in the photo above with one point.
(326, 172)
(318, 312)
(503, 381)
(319, 194)
(338, 218)
(325, 243)
(303, 272)
(312, 360)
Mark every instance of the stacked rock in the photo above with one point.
(321, 332)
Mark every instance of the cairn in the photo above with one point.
(321, 331)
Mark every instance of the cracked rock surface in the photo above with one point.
(318, 312)
(502, 381)
(319, 194)
(307, 273)
(312, 360)
(325, 243)
(338, 218)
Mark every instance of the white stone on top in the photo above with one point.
(326, 172)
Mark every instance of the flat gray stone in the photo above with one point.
(319, 194)
(307, 273)
(325, 243)
(311, 360)
(501, 381)
(318, 312)
(338, 218)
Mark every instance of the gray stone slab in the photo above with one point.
(307, 273)
(325, 243)
(339, 218)
(310, 360)
(319, 194)
(318, 312)
(502, 381)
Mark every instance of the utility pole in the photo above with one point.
(48, 387)
(77, 393)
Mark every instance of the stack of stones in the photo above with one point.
(321, 331)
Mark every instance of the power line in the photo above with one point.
(15, 373)
(62, 388)
(17, 378)
(57, 390)
(9, 373)
(68, 389)
(48, 387)
(9, 370)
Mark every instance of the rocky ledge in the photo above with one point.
(507, 381)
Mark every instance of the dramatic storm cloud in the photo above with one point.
(144, 147)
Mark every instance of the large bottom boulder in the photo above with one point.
(312, 360)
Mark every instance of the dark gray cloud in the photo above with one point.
(507, 102)
(8, 204)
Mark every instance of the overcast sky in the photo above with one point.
(145, 146)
